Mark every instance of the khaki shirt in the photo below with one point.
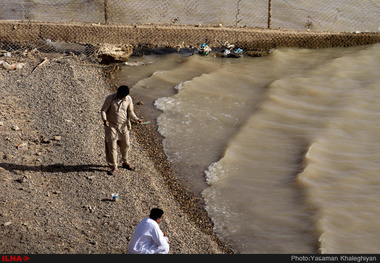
(117, 111)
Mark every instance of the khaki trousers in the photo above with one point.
(116, 135)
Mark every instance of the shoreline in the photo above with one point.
(194, 206)
(151, 141)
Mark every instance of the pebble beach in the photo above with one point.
(55, 194)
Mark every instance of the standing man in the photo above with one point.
(148, 237)
(117, 112)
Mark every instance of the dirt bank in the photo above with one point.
(55, 195)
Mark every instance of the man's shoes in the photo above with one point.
(113, 171)
(128, 166)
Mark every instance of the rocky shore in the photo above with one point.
(55, 195)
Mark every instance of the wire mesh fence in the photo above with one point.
(327, 15)
(307, 15)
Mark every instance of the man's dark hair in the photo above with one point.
(156, 213)
(123, 91)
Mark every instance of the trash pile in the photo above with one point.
(228, 51)
(204, 50)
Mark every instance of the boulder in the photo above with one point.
(109, 53)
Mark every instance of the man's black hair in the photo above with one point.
(123, 91)
(156, 213)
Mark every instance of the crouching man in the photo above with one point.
(148, 237)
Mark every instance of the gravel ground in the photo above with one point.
(55, 195)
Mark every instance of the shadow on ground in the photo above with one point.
(11, 167)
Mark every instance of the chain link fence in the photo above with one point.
(326, 15)
(307, 15)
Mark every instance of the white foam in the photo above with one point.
(179, 86)
(166, 104)
(214, 172)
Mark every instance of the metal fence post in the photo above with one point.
(270, 14)
(106, 11)
(23, 10)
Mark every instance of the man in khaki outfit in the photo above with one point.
(117, 112)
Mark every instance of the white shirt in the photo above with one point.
(148, 239)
